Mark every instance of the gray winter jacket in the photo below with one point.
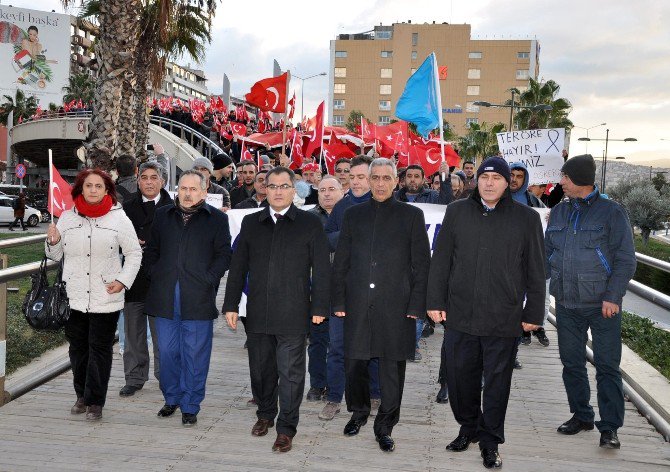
(590, 252)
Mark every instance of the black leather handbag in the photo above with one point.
(45, 307)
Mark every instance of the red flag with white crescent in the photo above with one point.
(60, 194)
(238, 129)
(428, 157)
(316, 134)
(269, 94)
(245, 154)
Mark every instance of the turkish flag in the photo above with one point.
(428, 157)
(291, 103)
(269, 94)
(333, 151)
(442, 71)
(60, 194)
(261, 126)
(452, 158)
(367, 131)
(296, 151)
(316, 134)
(395, 136)
(238, 129)
(245, 155)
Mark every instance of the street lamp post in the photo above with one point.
(587, 134)
(302, 91)
(512, 106)
(604, 166)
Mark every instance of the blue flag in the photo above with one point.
(419, 102)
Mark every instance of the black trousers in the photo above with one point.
(391, 384)
(277, 368)
(91, 338)
(467, 357)
(17, 220)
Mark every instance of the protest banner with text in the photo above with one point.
(539, 149)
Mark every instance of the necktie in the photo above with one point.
(279, 217)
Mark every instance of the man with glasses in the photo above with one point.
(283, 254)
(343, 172)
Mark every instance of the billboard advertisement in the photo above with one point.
(34, 53)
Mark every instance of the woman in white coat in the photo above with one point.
(88, 238)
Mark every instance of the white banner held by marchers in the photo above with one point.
(539, 149)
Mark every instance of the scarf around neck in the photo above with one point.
(93, 210)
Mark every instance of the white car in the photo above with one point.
(32, 216)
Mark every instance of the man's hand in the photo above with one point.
(412, 316)
(437, 316)
(158, 149)
(225, 209)
(115, 287)
(318, 319)
(340, 314)
(610, 309)
(284, 160)
(529, 327)
(444, 168)
(231, 319)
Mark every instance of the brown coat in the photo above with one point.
(20, 210)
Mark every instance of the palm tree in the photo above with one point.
(542, 94)
(114, 50)
(23, 107)
(480, 141)
(168, 29)
(80, 86)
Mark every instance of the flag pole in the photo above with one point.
(321, 148)
(51, 187)
(439, 104)
(362, 137)
(283, 129)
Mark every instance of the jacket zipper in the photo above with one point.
(603, 261)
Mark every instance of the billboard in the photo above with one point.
(34, 53)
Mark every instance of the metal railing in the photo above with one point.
(646, 292)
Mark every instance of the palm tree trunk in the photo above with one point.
(141, 91)
(115, 49)
(125, 143)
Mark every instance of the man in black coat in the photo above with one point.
(282, 253)
(489, 256)
(188, 254)
(380, 273)
(141, 210)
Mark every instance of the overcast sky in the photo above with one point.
(611, 58)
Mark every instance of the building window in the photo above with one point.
(387, 53)
(471, 107)
(384, 90)
(523, 55)
(340, 53)
(469, 121)
(475, 55)
(414, 55)
(522, 74)
(474, 73)
(338, 119)
(385, 105)
(473, 89)
(340, 88)
(338, 104)
(415, 39)
(383, 34)
(340, 72)
(384, 120)
(387, 73)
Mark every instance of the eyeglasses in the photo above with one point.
(340, 171)
(274, 187)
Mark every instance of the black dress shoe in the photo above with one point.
(129, 390)
(386, 442)
(541, 336)
(189, 419)
(491, 458)
(574, 425)
(443, 395)
(167, 410)
(525, 338)
(461, 443)
(354, 426)
(609, 440)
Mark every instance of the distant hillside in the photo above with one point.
(620, 170)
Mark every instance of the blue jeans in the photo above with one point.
(572, 327)
(419, 330)
(185, 348)
(335, 364)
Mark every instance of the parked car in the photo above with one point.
(32, 216)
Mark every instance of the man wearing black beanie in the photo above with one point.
(223, 170)
(590, 259)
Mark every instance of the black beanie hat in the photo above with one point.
(221, 161)
(495, 164)
(581, 169)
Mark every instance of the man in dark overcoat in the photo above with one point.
(282, 253)
(380, 274)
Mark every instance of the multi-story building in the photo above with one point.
(183, 82)
(368, 71)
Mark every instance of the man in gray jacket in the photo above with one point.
(590, 258)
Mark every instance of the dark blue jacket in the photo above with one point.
(196, 254)
(443, 197)
(336, 217)
(590, 252)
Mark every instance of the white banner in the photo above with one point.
(34, 53)
(539, 149)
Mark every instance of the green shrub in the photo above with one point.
(649, 342)
(650, 276)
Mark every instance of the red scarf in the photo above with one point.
(93, 210)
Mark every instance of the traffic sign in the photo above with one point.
(20, 171)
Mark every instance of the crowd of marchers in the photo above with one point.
(338, 269)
